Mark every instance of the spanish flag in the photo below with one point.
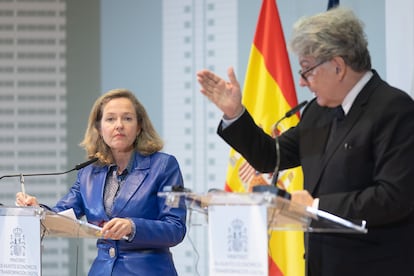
(268, 93)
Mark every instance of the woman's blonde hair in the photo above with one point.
(147, 142)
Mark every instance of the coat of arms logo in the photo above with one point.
(17, 243)
(237, 237)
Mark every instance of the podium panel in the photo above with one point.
(228, 225)
(237, 240)
(20, 241)
(22, 230)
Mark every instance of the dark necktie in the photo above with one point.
(338, 117)
(339, 113)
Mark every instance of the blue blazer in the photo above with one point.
(158, 226)
(367, 174)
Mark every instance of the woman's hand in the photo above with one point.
(26, 200)
(116, 229)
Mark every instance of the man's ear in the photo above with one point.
(340, 66)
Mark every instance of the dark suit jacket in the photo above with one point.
(367, 174)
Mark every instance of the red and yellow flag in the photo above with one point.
(269, 92)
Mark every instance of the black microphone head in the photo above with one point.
(273, 190)
(215, 190)
(84, 164)
(176, 188)
(295, 109)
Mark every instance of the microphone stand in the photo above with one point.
(277, 146)
(22, 186)
(77, 167)
(272, 188)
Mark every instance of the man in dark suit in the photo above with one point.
(364, 172)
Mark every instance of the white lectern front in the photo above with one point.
(239, 224)
(20, 241)
(22, 230)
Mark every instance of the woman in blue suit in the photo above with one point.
(119, 191)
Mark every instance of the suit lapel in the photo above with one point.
(342, 130)
(132, 183)
(321, 136)
(345, 127)
(94, 190)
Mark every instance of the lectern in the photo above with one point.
(239, 224)
(21, 232)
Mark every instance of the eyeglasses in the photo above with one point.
(307, 71)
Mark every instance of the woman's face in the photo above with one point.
(119, 125)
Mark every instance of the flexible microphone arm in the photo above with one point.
(277, 146)
(77, 167)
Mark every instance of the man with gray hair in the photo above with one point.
(355, 144)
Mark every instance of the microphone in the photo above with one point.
(173, 200)
(295, 109)
(272, 188)
(176, 188)
(84, 164)
(77, 167)
(287, 115)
